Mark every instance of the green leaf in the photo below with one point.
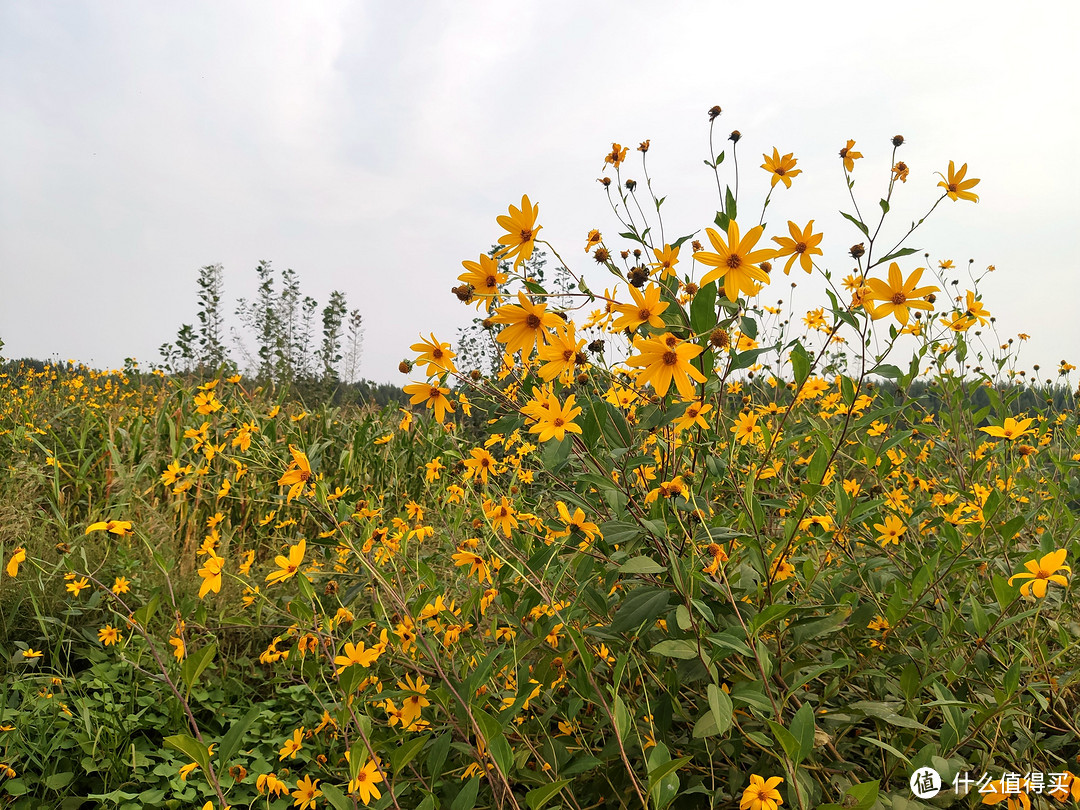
(466, 799)
(191, 748)
(437, 756)
(886, 370)
(407, 751)
(703, 309)
(676, 648)
(896, 255)
(884, 206)
(641, 605)
(721, 708)
(538, 797)
(856, 223)
(662, 770)
(865, 795)
(786, 740)
(802, 729)
(334, 795)
(622, 719)
(800, 363)
(885, 746)
(230, 744)
(641, 565)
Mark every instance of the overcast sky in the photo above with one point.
(370, 146)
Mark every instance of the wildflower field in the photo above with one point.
(678, 545)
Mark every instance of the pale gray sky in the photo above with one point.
(370, 147)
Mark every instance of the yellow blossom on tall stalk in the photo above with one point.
(17, 558)
(480, 465)
(761, 794)
(364, 782)
(802, 245)
(782, 168)
(521, 230)
(477, 564)
(556, 421)
(693, 415)
(297, 475)
(288, 566)
(576, 523)
(1042, 572)
(666, 359)
(956, 187)
(897, 296)
(305, 794)
(975, 310)
(211, 574)
(563, 353)
(527, 325)
(435, 354)
(735, 260)
(849, 156)
(890, 531)
(433, 396)
(121, 528)
(1010, 429)
(646, 308)
(666, 260)
(484, 279)
(616, 156)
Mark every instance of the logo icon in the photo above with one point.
(926, 783)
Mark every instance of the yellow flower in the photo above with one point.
(693, 415)
(735, 260)
(30, 652)
(563, 354)
(666, 260)
(288, 566)
(107, 635)
(17, 557)
(435, 355)
(269, 783)
(849, 156)
(179, 648)
(477, 564)
(802, 245)
(365, 781)
(665, 359)
(292, 746)
(761, 794)
(526, 325)
(480, 465)
(890, 531)
(297, 474)
(782, 168)
(1010, 429)
(211, 574)
(521, 230)
(897, 296)
(305, 794)
(120, 528)
(556, 420)
(1013, 794)
(593, 239)
(616, 156)
(484, 279)
(77, 586)
(745, 427)
(413, 705)
(501, 515)
(1042, 572)
(433, 396)
(645, 309)
(956, 187)
(356, 654)
(1068, 784)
